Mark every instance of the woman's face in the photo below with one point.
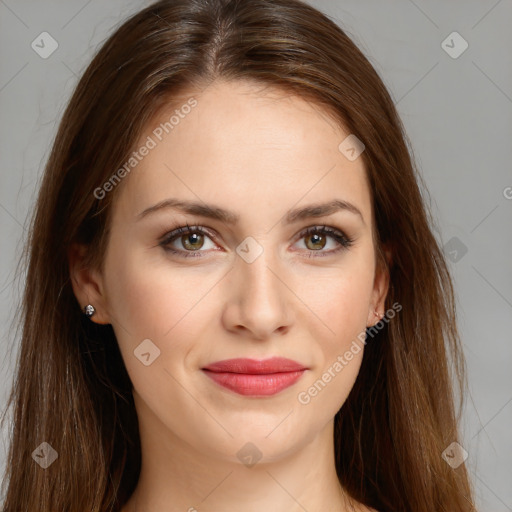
(253, 284)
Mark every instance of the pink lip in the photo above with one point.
(252, 377)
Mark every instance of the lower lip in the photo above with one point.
(255, 385)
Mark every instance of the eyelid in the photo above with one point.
(183, 230)
(342, 239)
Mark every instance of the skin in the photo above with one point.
(258, 152)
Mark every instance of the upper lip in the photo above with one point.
(253, 366)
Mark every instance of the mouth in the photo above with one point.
(250, 377)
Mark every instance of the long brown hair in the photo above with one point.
(71, 388)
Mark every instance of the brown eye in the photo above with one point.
(316, 238)
(193, 241)
(317, 241)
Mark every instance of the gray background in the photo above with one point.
(458, 115)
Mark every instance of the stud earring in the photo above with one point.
(89, 310)
(377, 314)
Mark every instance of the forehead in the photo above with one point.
(244, 146)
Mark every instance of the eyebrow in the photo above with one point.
(229, 217)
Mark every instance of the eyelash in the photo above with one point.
(344, 241)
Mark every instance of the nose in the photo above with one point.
(259, 301)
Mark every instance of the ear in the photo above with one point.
(87, 284)
(380, 289)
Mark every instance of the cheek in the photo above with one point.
(161, 303)
(149, 296)
(152, 298)
(341, 302)
(345, 299)
(340, 298)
